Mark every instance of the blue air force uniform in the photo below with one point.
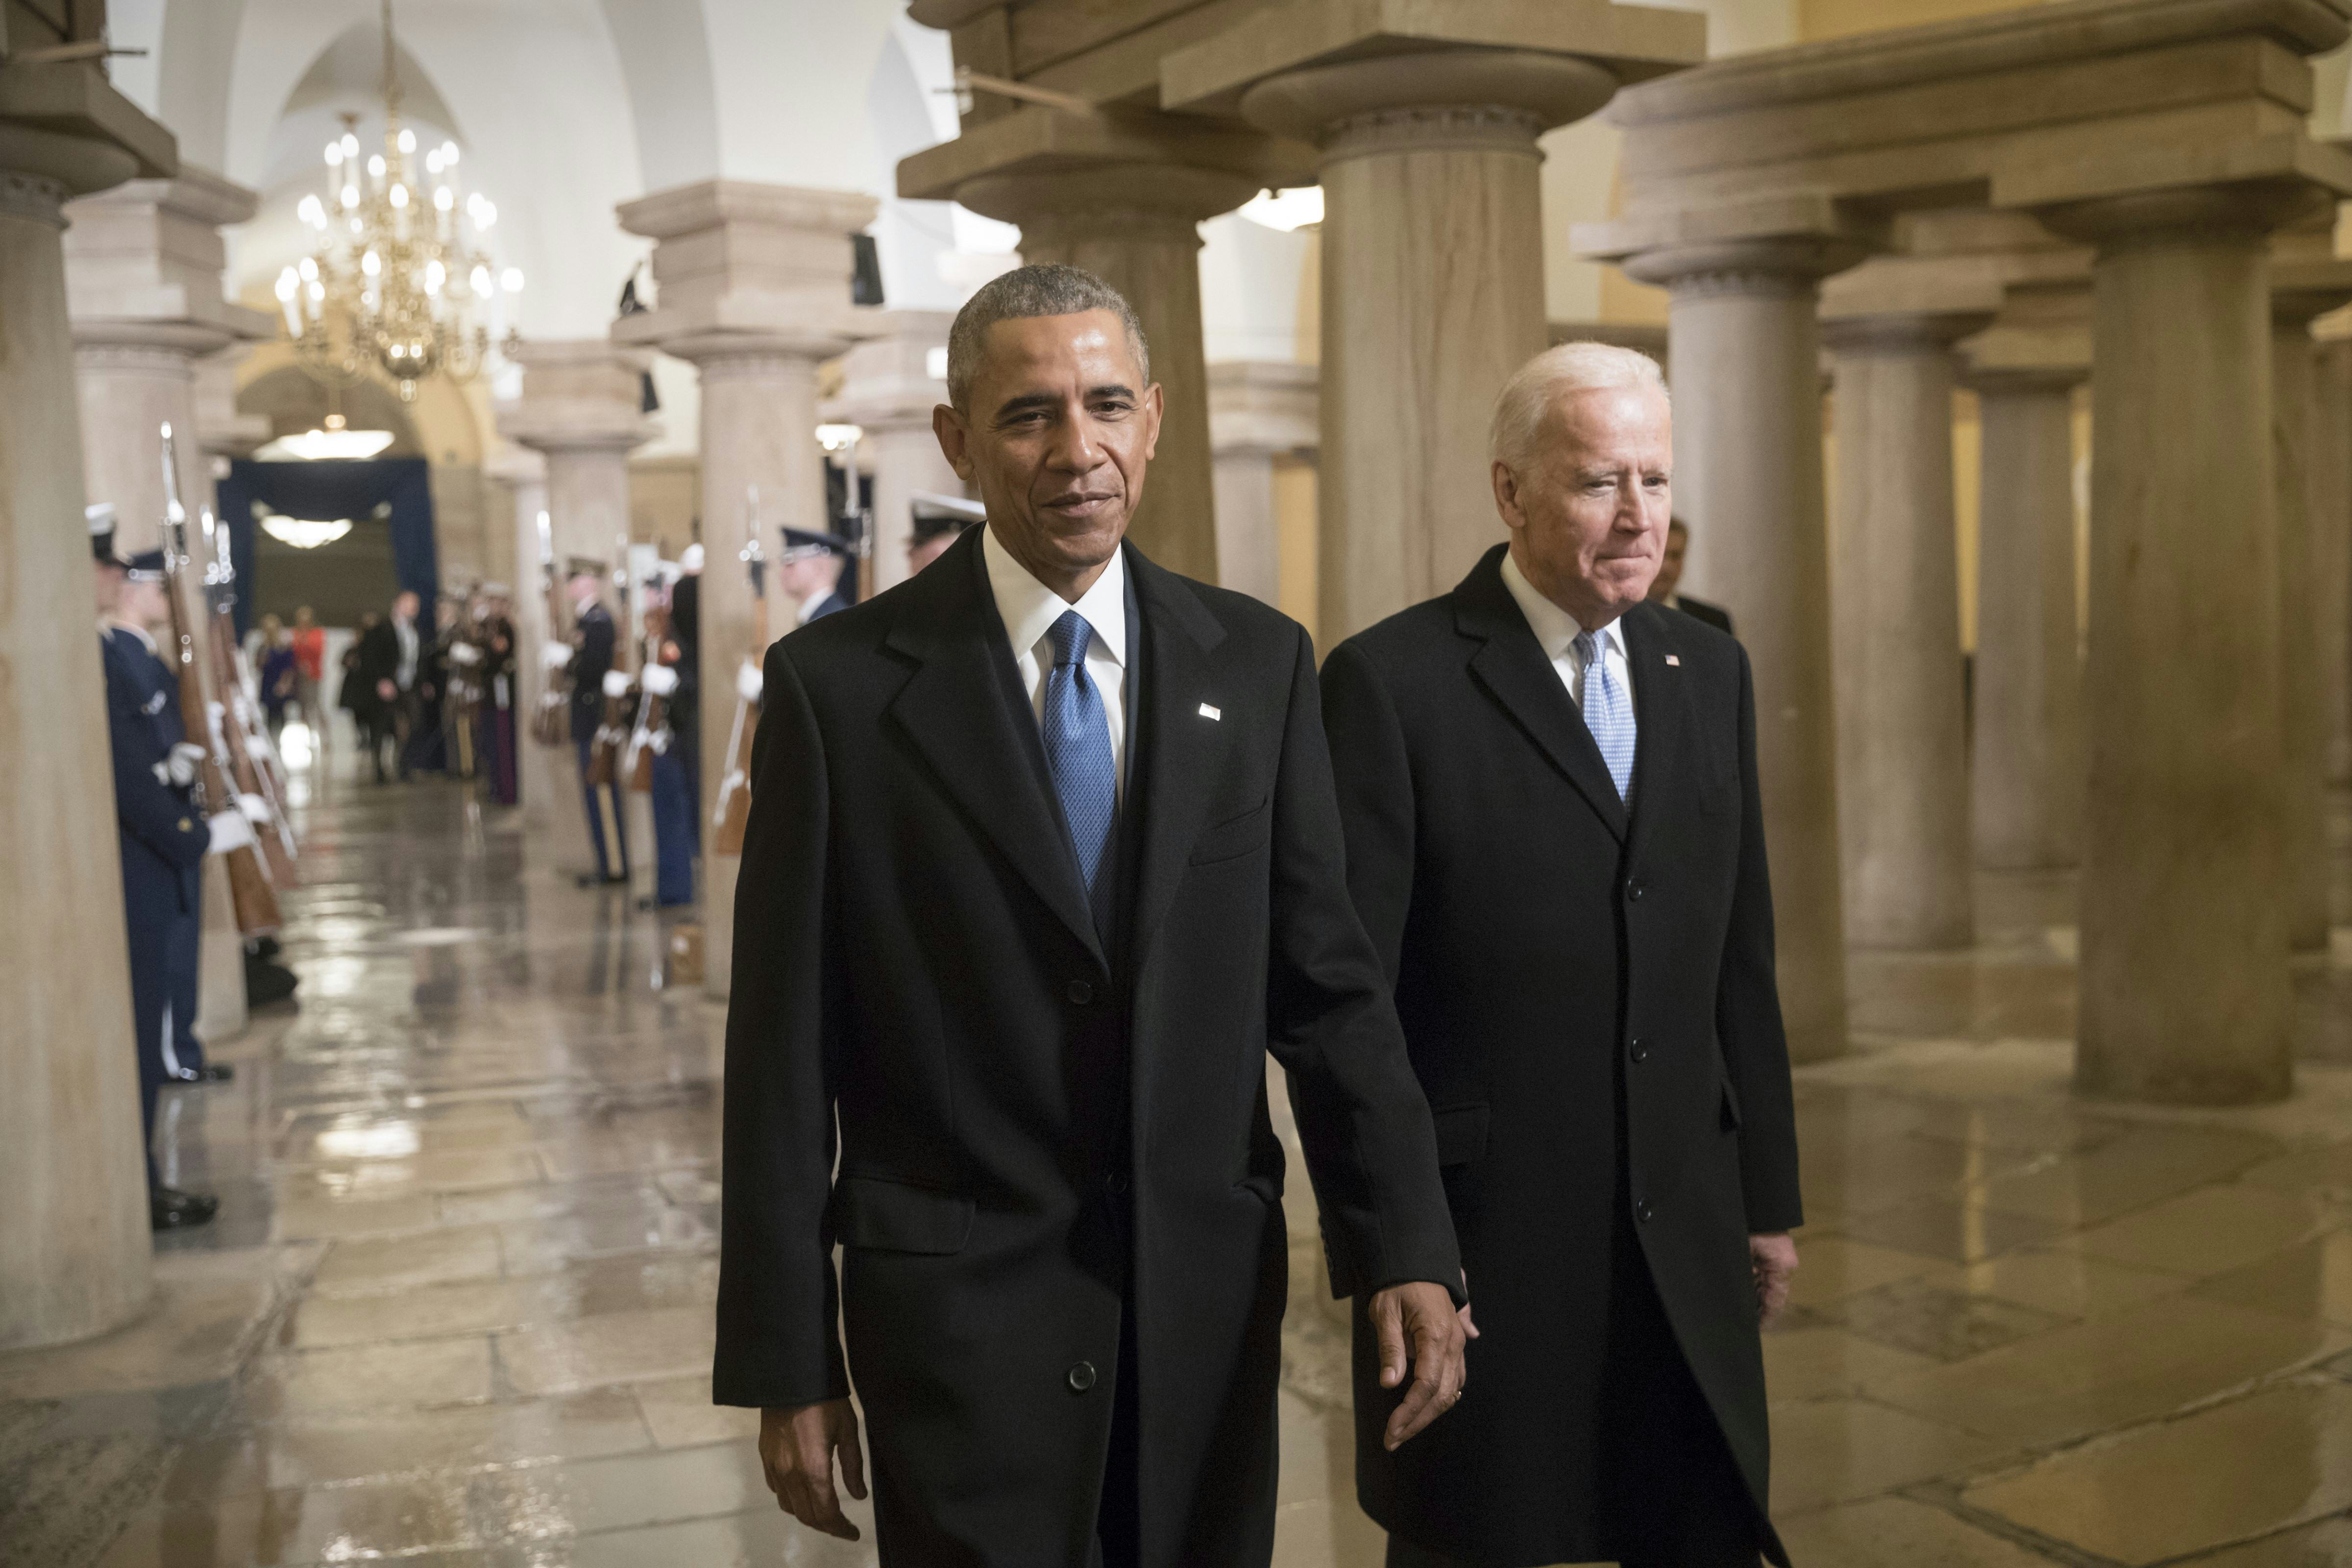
(163, 843)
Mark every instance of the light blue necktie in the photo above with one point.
(1607, 713)
(1077, 746)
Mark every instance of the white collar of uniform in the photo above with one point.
(1030, 608)
(1554, 627)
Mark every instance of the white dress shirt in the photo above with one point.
(405, 631)
(1029, 610)
(1557, 631)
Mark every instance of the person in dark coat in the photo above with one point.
(1042, 860)
(685, 655)
(1667, 588)
(594, 640)
(164, 837)
(1555, 839)
(391, 658)
(500, 695)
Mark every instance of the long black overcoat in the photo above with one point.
(915, 955)
(1588, 995)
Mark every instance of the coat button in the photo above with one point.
(1082, 1377)
(1116, 1182)
(1642, 1211)
(1079, 993)
(1633, 892)
(1641, 1052)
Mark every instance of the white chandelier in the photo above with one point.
(398, 269)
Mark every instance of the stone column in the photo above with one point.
(1433, 295)
(522, 474)
(578, 411)
(2185, 991)
(1745, 368)
(74, 1245)
(888, 389)
(754, 291)
(1259, 411)
(2307, 283)
(2027, 774)
(1903, 784)
(1432, 263)
(2331, 501)
(143, 265)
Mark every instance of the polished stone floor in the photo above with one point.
(456, 1310)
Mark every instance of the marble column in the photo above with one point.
(2331, 502)
(143, 265)
(1745, 369)
(2184, 991)
(519, 475)
(74, 1245)
(754, 291)
(2306, 282)
(2027, 768)
(1260, 412)
(890, 383)
(1433, 295)
(1903, 784)
(579, 412)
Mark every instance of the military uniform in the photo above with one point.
(595, 639)
(163, 842)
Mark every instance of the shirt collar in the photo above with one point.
(1030, 608)
(142, 632)
(1554, 627)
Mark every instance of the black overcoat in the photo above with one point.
(1589, 999)
(915, 955)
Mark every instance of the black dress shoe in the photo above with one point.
(266, 983)
(170, 1209)
(211, 1072)
(591, 880)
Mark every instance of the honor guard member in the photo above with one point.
(810, 571)
(670, 797)
(141, 609)
(936, 521)
(594, 639)
(163, 836)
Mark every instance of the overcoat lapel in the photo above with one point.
(1661, 711)
(1181, 748)
(1510, 665)
(961, 709)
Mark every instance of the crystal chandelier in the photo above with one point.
(400, 267)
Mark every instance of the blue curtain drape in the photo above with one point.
(326, 490)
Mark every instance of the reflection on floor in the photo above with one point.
(456, 1310)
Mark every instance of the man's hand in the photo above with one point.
(1420, 1315)
(796, 1449)
(386, 690)
(1772, 1260)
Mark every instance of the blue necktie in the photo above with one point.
(1607, 713)
(1077, 746)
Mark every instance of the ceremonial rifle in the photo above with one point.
(550, 724)
(252, 759)
(248, 885)
(734, 807)
(652, 737)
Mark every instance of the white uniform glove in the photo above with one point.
(182, 764)
(558, 655)
(748, 682)
(660, 680)
(256, 809)
(230, 831)
(616, 683)
(465, 653)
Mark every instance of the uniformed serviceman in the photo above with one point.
(163, 836)
(811, 570)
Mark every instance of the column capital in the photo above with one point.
(2164, 198)
(738, 257)
(1780, 245)
(1056, 165)
(2303, 289)
(1266, 407)
(1312, 67)
(144, 263)
(887, 381)
(579, 394)
(1901, 331)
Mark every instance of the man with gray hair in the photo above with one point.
(1554, 837)
(1043, 860)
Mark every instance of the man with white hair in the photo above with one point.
(1554, 837)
